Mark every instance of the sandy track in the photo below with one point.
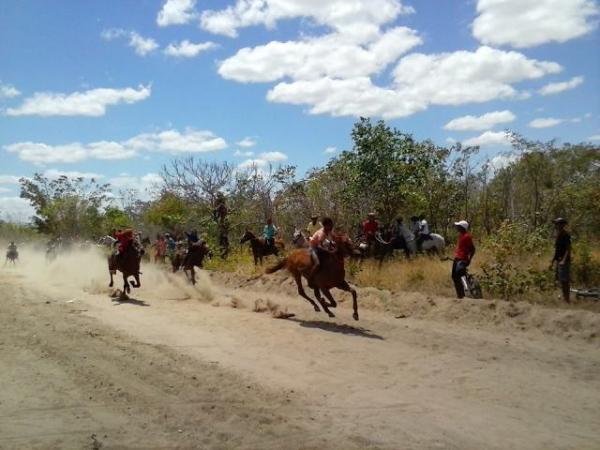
(181, 368)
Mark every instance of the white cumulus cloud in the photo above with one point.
(141, 45)
(555, 88)
(330, 150)
(9, 179)
(243, 153)
(479, 123)
(247, 142)
(331, 55)
(595, 137)
(489, 138)
(273, 156)
(187, 49)
(176, 12)
(545, 122)
(8, 91)
(527, 23)
(168, 141)
(88, 103)
(56, 173)
(15, 209)
(358, 17)
(420, 80)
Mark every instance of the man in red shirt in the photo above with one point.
(465, 250)
(370, 228)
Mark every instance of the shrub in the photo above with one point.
(505, 274)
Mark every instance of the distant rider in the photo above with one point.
(269, 233)
(465, 250)
(423, 233)
(370, 228)
(313, 226)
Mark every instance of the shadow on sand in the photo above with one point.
(132, 301)
(337, 328)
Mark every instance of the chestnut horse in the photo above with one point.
(330, 274)
(129, 265)
(260, 248)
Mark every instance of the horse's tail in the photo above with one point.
(280, 265)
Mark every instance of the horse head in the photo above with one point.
(343, 244)
(248, 236)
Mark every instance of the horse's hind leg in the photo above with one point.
(344, 286)
(323, 303)
(110, 272)
(332, 302)
(298, 280)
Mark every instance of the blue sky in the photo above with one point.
(116, 88)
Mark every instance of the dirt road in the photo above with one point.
(209, 367)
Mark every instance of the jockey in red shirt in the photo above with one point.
(370, 227)
(125, 239)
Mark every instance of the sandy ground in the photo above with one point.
(210, 367)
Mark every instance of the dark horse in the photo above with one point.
(330, 274)
(260, 248)
(193, 258)
(129, 265)
(12, 256)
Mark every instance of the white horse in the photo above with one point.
(106, 241)
(299, 240)
(436, 244)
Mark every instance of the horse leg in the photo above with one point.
(326, 305)
(298, 280)
(126, 288)
(111, 273)
(137, 282)
(323, 303)
(344, 286)
(193, 275)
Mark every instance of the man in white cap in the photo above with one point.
(465, 250)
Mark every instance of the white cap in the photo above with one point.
(462, 223)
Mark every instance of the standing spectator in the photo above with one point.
(562, 257)
(465, 250)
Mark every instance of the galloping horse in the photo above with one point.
(260, 248)
(194, 257)
(330, 274)
(434, 246)
(12, 256)
(129, 265)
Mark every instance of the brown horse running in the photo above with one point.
(330, 274)
(260, 248)
(129, 265)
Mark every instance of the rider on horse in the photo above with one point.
(423, 233)
(321, 240)
(370, 228)
(12, 247)
(269, 233)
(313, 226)
(126, 239)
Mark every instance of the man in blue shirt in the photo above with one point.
(269, 232)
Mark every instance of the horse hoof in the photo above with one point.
(317, 308)
(330, 314)
(355, 316)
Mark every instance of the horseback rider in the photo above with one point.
(313, 226)
(465, 250)
(321, 241)
(193, 240)
(370, 228)
(126, 239)
(423, 233)
(562, 257)
(269, 233)
(12, 248)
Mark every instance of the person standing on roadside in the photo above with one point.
(562, 257)
(465, 250)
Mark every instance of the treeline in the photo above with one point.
(386, 170)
